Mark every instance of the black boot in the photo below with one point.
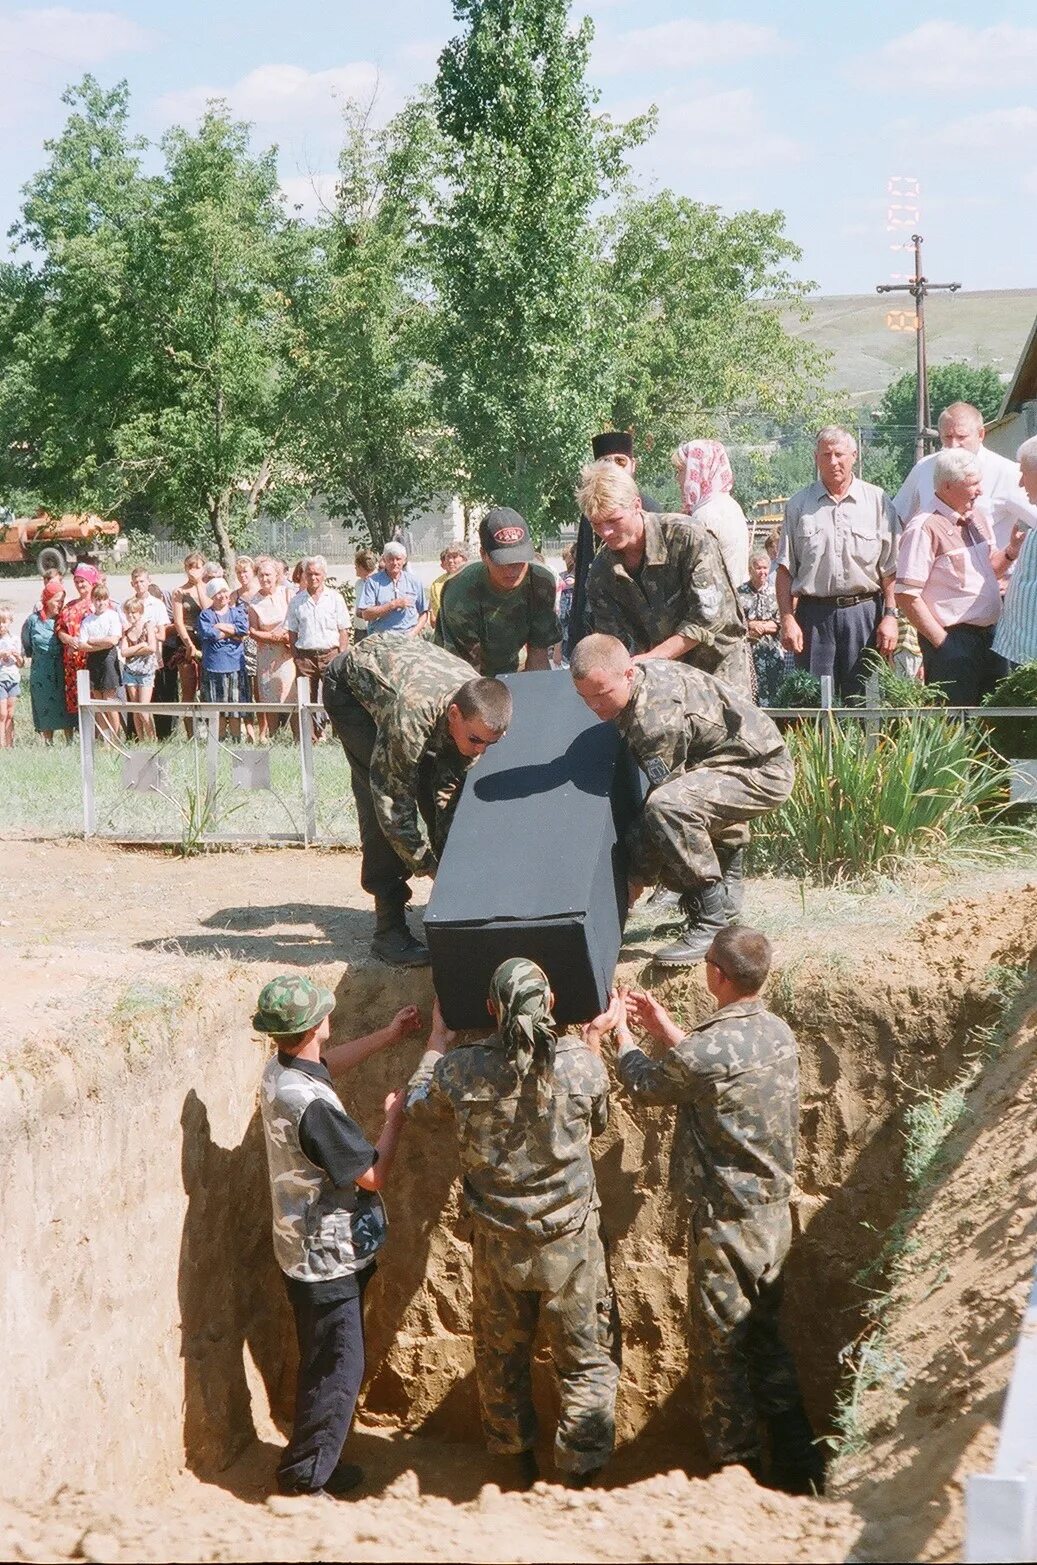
(707, 915)
(797, 1463)
(732, 865)
(663, 901)
(393, 941)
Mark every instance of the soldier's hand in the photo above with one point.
(652, 1017)
(406, 1020)
(594, 1031)
(394, 1103)
(441, 1036)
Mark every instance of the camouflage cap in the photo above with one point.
(291, 1004)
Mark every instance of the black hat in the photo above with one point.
(613, 442)
(504, 536)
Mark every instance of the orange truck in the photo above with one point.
(57, 542)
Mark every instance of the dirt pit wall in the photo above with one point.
(144, 1322)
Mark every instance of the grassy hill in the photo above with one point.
(982, 327)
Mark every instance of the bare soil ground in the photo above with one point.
(879, 986)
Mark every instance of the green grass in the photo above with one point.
(42, 791)
(865, 803)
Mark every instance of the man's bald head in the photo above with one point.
(961, 426)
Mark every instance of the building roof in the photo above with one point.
(1023, 385)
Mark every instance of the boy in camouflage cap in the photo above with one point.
(329, 1221)
(735, 1080)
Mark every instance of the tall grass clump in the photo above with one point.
(865, 802)
(1014, 737)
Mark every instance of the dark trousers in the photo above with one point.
(964, 664)
(331, 1372)
(835, 640)
(167, 688)
(383, 873)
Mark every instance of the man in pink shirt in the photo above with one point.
(948, 583)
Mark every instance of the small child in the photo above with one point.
(329, 1221)
(139, 648)
(12, 661)
(99, 636)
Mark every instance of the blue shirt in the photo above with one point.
(378, 589)
(219, 655)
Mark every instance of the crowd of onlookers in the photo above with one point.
(940, 580)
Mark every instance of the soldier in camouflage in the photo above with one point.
(735, 1080)
(712, 759)
(660, 584)
(328, 1218)
(412, 720)
(526, 1104)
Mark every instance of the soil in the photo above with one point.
(136, 1200)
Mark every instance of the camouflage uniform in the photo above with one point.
(387, 699)
(489, 629)
(682, 589)
(735, 1080)
(537, 1248)
(712, 759)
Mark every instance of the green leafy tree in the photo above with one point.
(527, 159)
(211, 435)
(73, 321)
(691, 300)
(895, 419)
(368, 424)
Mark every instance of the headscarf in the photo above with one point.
(703, 470)
(521, 998)
(52, 589)
(88, 573)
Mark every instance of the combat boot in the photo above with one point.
(393, 942)
(732, 867)
(663, 904)
(707, 915)
(797, 1463)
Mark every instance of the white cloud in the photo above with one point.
(713, 131)
(44, 43)
(1010, 130)
(682, 45)
(284, 97)
(946, 56)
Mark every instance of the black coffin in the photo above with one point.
(534, 864)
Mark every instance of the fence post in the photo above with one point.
(87, 722)
(827, 692)
(212, 762)
(309, 794)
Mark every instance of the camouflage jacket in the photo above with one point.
(735, 1080)
(682, 589)
(407, 686)
(526, 1167)
(490, 629)
(678, 718)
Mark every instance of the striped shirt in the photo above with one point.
(1016, 635)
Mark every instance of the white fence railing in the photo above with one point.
(1001, 1506)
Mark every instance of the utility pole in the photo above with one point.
(919, 288)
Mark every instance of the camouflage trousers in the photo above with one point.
(685, 820)
(745, 1372)
(564, 1284)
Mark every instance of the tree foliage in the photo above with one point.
(368, 424)
(895, 419)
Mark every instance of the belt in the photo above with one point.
(847, 601)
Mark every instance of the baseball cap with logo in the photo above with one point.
(504, 536)
(291, 1004)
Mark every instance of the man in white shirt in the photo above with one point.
(961, 426)
(317, 623)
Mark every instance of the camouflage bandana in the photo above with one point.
(521, 995)
(291, 1004)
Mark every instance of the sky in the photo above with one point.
(862, 123)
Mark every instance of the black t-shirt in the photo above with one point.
(335, 1143)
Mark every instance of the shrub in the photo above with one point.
(799, 689)
(863, 803)
(1015, 738)
(898, 691)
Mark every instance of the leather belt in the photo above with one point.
(847, 601)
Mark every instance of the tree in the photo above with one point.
(367, 421)
(692, 300)
(73, 323)
(527, 159)
(211, 434)
(895, 420)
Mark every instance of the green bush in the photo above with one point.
(897, 690)
(1014, 737)
(799, 689)
(864, 803)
